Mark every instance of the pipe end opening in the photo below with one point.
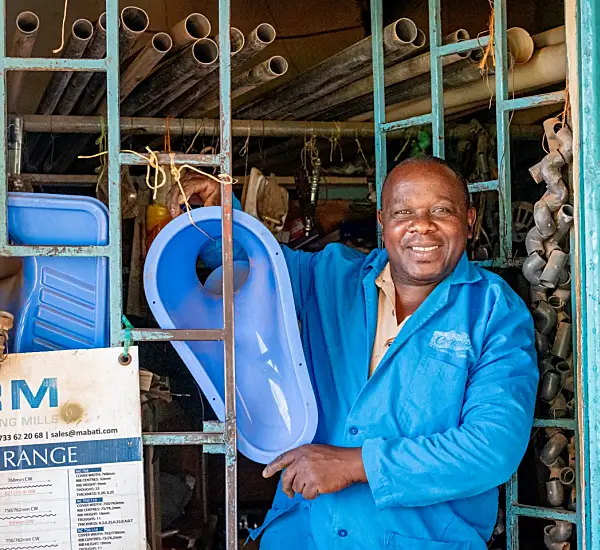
(278, 65)
(28, 22)
(420, 40)
(162, 42)
(237, 40)
(135, 19)
(556, 302)
(266, 33)
(83, 29)
(197, 26)
(462, 34)
(206, 51)
(406, 30)
(102, 21)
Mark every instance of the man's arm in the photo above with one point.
(485, 450)
(475, 457)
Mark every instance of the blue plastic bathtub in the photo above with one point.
(276, 408)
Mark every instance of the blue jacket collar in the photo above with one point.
(464, 272)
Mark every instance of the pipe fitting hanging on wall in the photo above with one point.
(556, 536)
(544, 318)
(552, 450)
(556, 263)
(562, 343)
(555, 492)
(533, 267)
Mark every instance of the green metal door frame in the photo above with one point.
(584, 85)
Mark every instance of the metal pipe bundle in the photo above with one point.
(263, 35)
(268, 70)
(28, 25)
(197, 59)
(339, 70)
(134, 22)
(237, 42)
(96, 49)
(81, 34)
(357, 97)
(143, 64)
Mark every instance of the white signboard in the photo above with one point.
(71, 473)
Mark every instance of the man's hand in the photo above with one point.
(205, 188)
(312, 470)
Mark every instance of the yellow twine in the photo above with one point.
(64, 21)
(153, 163)
(489, 50)
(362, 153)
(195, 138)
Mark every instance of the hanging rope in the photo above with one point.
(64, 21)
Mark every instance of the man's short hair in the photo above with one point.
(428, 159)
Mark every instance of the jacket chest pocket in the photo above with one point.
(434, 399)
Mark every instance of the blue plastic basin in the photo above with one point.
(276, 408)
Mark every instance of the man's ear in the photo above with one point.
(471, 218)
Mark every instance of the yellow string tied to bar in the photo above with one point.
(489, 50)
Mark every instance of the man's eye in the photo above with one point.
(441, 210)
(401, 212)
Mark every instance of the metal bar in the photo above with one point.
(164, 158)
(37, 250)
(437, 84)
(182, 438)
(179, 335)
(378, 101)
(463, 46)
(40, 64)
(480, 186)
(544, 513)
(503, 137)
(58, 124)
(584, 82)
(3, 126)
(115, 261)
(539, 100)
(564, 423)
(512, 520)
(420, 120)
(496, 262)
(231, 536)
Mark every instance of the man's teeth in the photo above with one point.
(424, 248)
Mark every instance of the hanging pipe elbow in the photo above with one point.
(553, 448)
(550, 386)
(561, 531)
(534, 242)
(564, 221)
(563, 341)
(551, 273)
(541, 344)
(554, 544)
(544, 222)
(548, 169)
(555, 492)
(533, 267)
(544, 318)
(559, 407)
(537, 294)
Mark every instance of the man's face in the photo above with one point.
(425, 223)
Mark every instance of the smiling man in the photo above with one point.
(425, 375)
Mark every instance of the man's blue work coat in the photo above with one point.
(442, 422)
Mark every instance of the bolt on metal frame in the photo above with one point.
(504, 105)
(220, 437)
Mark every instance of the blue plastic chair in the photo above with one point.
(60, 303)
(276, 407)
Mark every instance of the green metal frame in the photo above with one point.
(219, 437)
(504, 105)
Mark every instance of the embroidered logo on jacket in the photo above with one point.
(455, 343)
